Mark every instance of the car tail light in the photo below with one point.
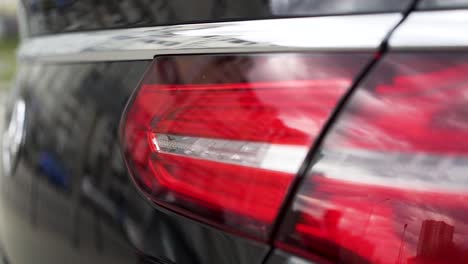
(219, 138)
(391, 182)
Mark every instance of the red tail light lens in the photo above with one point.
(220, 138)
(391, 185)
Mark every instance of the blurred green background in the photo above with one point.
(8, 42)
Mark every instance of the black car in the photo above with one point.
(237, 131)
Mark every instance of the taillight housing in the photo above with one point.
(391, 181)
(219, 138)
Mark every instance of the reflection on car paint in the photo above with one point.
(45, 17)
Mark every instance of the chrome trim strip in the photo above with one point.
(336, 33)
(406, 170)
(432, 29)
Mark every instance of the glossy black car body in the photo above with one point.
(70, 198)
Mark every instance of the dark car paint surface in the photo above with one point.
(49, 17)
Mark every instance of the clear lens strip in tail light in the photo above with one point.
(276, 157)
